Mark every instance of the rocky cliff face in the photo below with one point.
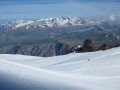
(43, 50)
(89, 46)
(54, 49)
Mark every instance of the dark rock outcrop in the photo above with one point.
(74, 48)
(105, 47)
(117, 45)
(89, 46)
(53, 49)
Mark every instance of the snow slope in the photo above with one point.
(67, 72)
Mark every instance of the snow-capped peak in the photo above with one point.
(22, 23)
(51, 22)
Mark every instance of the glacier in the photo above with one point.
(76, 71)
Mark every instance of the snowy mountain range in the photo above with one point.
(48, 22)
(76, 71)
(99, 29)
(56, 22)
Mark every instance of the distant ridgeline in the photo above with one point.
(52, 48)
(44, 49)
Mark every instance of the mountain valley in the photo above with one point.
(46, 32)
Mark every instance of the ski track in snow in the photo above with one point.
(66, 72)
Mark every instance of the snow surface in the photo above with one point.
(76, 71)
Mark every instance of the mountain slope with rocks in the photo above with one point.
(43, 50)
(66, 30)
(90, 46)
(20, 30)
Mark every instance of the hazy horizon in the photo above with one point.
(25, 9)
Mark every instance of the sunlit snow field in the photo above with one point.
(76, 71)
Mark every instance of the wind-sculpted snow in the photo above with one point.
(76, 71)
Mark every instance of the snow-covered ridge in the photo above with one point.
(68, 72)
(58, 22)
(52, 22)
(48, 22)
(21, 24)
(61, 22)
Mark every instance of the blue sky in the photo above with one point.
(36, 9)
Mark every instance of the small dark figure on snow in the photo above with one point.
(88, 59)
